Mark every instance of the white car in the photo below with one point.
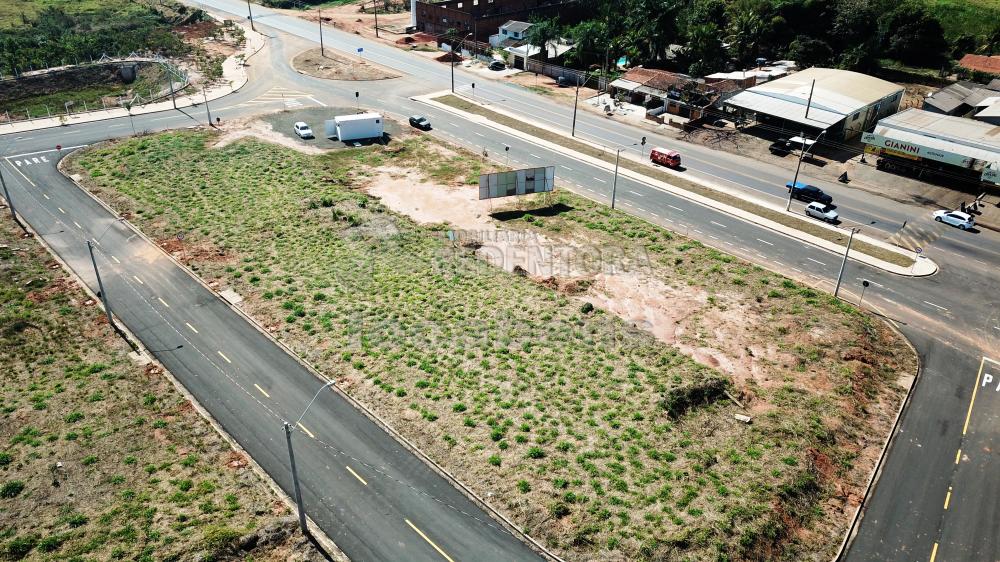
(822, 211)
(303, 131)
(955, 218)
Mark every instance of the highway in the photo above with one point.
(378, 501)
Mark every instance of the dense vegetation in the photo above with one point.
(717, 34)
(55, 34)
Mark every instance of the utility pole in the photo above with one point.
(576, 101)
(170, 81)
(100, 285)
(295, 479)
(375, 7)
(614, 184)
(843, 264)
(802, 152)
(250, 16)
(319, 18)
(453, 61)
(208, 111)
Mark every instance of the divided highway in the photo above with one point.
(380, 502)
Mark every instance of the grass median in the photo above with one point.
(806, 226)
(602, 439)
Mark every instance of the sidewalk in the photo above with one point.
(921, 266)
(234, 77)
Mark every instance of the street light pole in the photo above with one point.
(614, 184)
(791, 190)
(843, 264)
(250, 16)
(100, 285)
(575, 102)
(453, 61)
(291, 460)
(375, 7)
(207, 110)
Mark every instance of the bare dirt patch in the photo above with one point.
(332, 66)
(237, 129)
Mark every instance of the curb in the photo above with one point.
(681, 192)
(318, 533)
(509, 525)
(876, 474)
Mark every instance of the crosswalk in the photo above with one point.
(291, 99)
(913, 236)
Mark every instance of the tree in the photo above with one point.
(541, 33)
(911, 35)
(703, 51)
(590, 39)
(807, 52)
(746, 28)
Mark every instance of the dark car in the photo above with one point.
(809, 193)
(780, 147)
(420, 122)
(497, 65)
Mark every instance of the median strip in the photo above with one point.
(732, 200)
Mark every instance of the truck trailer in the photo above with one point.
(355, 127)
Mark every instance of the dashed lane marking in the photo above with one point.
(634, 193)
(936, 305)
(192, 328)
(600, 180)
(356, 475)
(138, 280)
(61, 210)
(223, 355)
(947, 498)
(718, 224)
(304, 428)
(765, 242)
(565, 167)
(78, 225)
(429, 541)
(675, 208)
(262, 391)
(45, 196)
(163, 302)
(116, 260)
(817, 261)
(958, 455)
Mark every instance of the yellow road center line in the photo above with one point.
(947, 498)
(441, 552)
(163, 302)
(116, 259)
(306, 430)
(958, 456)
(262, 391)
(360, 479)
(192, 327)
(223, 355)
(137, 279)
(934, 552)
(968, 414)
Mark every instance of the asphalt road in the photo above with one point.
(951, 317)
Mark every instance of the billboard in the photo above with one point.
(517, 182)
(913, 149)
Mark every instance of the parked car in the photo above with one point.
(303, 131)
(955, 218)
(497, 65)
(420, 122)
(822, 211)
(808, 193)
(780, 147)
(665, 157)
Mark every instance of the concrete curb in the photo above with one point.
(509, 525)
(215, 93)
(334, 551)
(922, 266)
(876, 474)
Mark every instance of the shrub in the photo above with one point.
(73, 417)
(220, 537)
(11, 489)
(19, 547)
(494, 460)
(6, 458)
(523, 486)
(536, 453)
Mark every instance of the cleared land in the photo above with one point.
(809, 227)
(101, 459)
(335, 67)
(602, 440)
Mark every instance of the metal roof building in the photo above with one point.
(956, 141)
(842, 102)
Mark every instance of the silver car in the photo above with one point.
(822, 211)
(955, 218)
(302, 130)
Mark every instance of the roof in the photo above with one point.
(528, 50)
(978, 95)
(838, 91)
(958, 135)
(990, 111)
(949, 98)
(516, 26)
(656, 79)
(357, 117)
(994, 85)
(623, 84)
(790, 110)
(981, 63)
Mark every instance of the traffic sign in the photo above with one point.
(919, 250)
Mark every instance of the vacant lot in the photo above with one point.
(101, 459)
(602, 440)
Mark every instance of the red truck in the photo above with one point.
(665, 157)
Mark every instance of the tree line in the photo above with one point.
(55, 36)
(717, 35)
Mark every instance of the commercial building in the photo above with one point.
(919, 142)
(841, 102)
(665, 93)
(961, 98)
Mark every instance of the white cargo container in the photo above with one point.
(355, 127)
